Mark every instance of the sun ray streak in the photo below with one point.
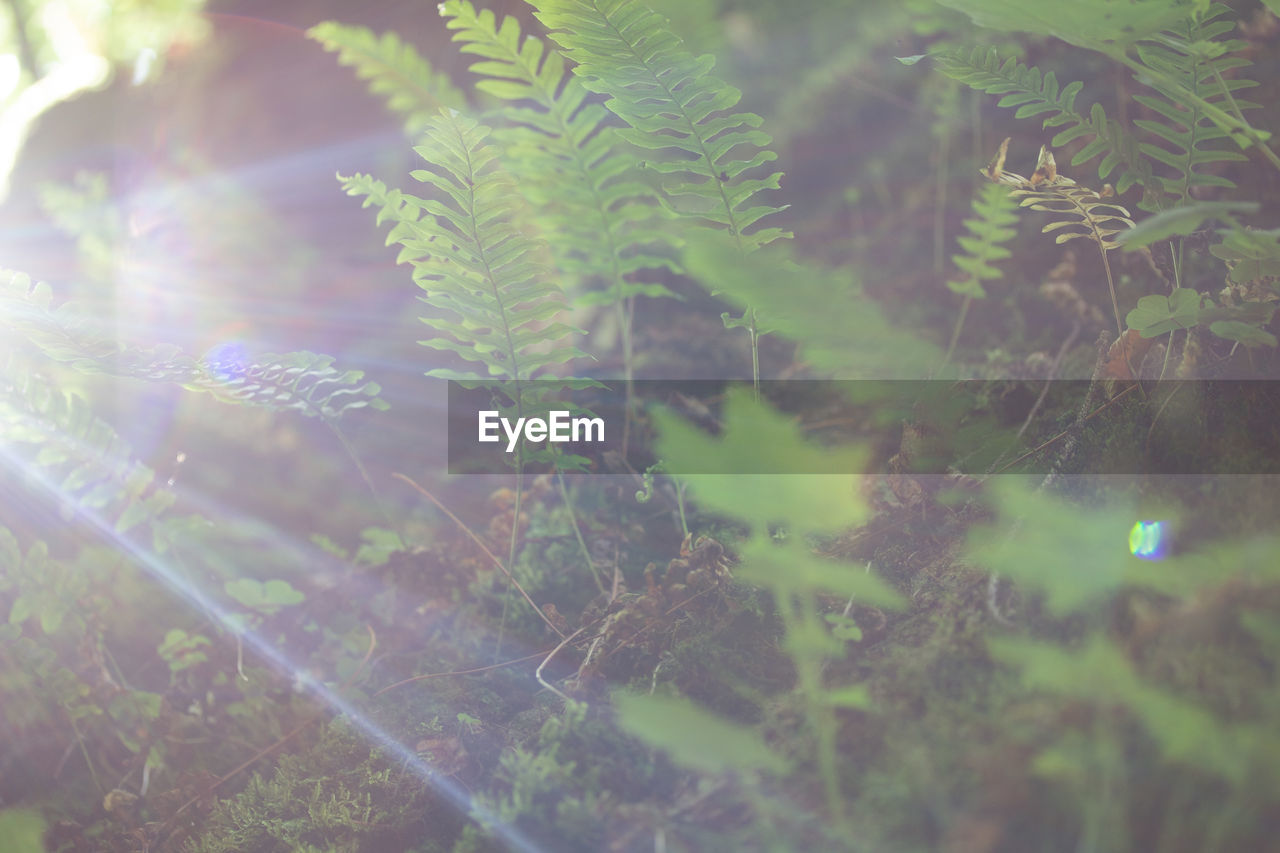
(447, 790)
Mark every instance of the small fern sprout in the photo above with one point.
(991, 226)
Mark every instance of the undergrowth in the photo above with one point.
(974, 635)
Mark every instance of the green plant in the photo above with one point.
(800, 661)
(602, 224)
(676, 110)
(989, 229)
(394, 71)
(1192, 71)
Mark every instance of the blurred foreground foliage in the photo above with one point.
(898, 661)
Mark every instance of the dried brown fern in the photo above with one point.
(1085, 212)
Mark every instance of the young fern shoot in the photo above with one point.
(991, 226)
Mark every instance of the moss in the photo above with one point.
(339, 797)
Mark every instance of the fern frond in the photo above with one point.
(1034, 93)
(989, 228)
(470, 259)
(673, 106)
(54, 435)
(394, 70)
(599, 218)
(1190, 60)
(1084, 212)
(304, 382)
(1087, 212)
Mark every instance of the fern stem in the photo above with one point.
(626, 311)
(577, 531)
(1111, 286)
(755, 355)
(797, 616)
(684, 522)
(483, 548)
(511, 551)
(84, 751)
(1099, 239)
(482, 255)
(940, 200)
(955, 333)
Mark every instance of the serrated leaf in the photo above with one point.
(757, 435)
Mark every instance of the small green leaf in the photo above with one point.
(693, 737)
(378, 545)
(855, 696)
(1156, 314)
(793, 565)
(911, 60)
(1251, 255)
(843, 628)
(760, 440)
(1071, 554)
(1245, 333)
(22, 830)
(267, 598)
(52, 615)
(20, 611)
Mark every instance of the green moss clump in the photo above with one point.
(339, 796)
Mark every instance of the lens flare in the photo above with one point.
(1149, 539)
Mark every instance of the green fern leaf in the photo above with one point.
(395, 71)
(470, 259)
(1079, 212)
(1035, 94)
(305, 382)
(674, 107)
(78, 455)
(1086, 213)
(839, 329)
(1104, 25)
(990, 227)
(598, 218)
(1190, 60)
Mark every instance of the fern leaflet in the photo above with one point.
(1081, 209)
(1084, 212)
(990, 227)
(1034, 93)
(1195, 63)
(304, 382)
(469, 257)
(600, 221)
(83, 459)
(394, 70)
(673, 105)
